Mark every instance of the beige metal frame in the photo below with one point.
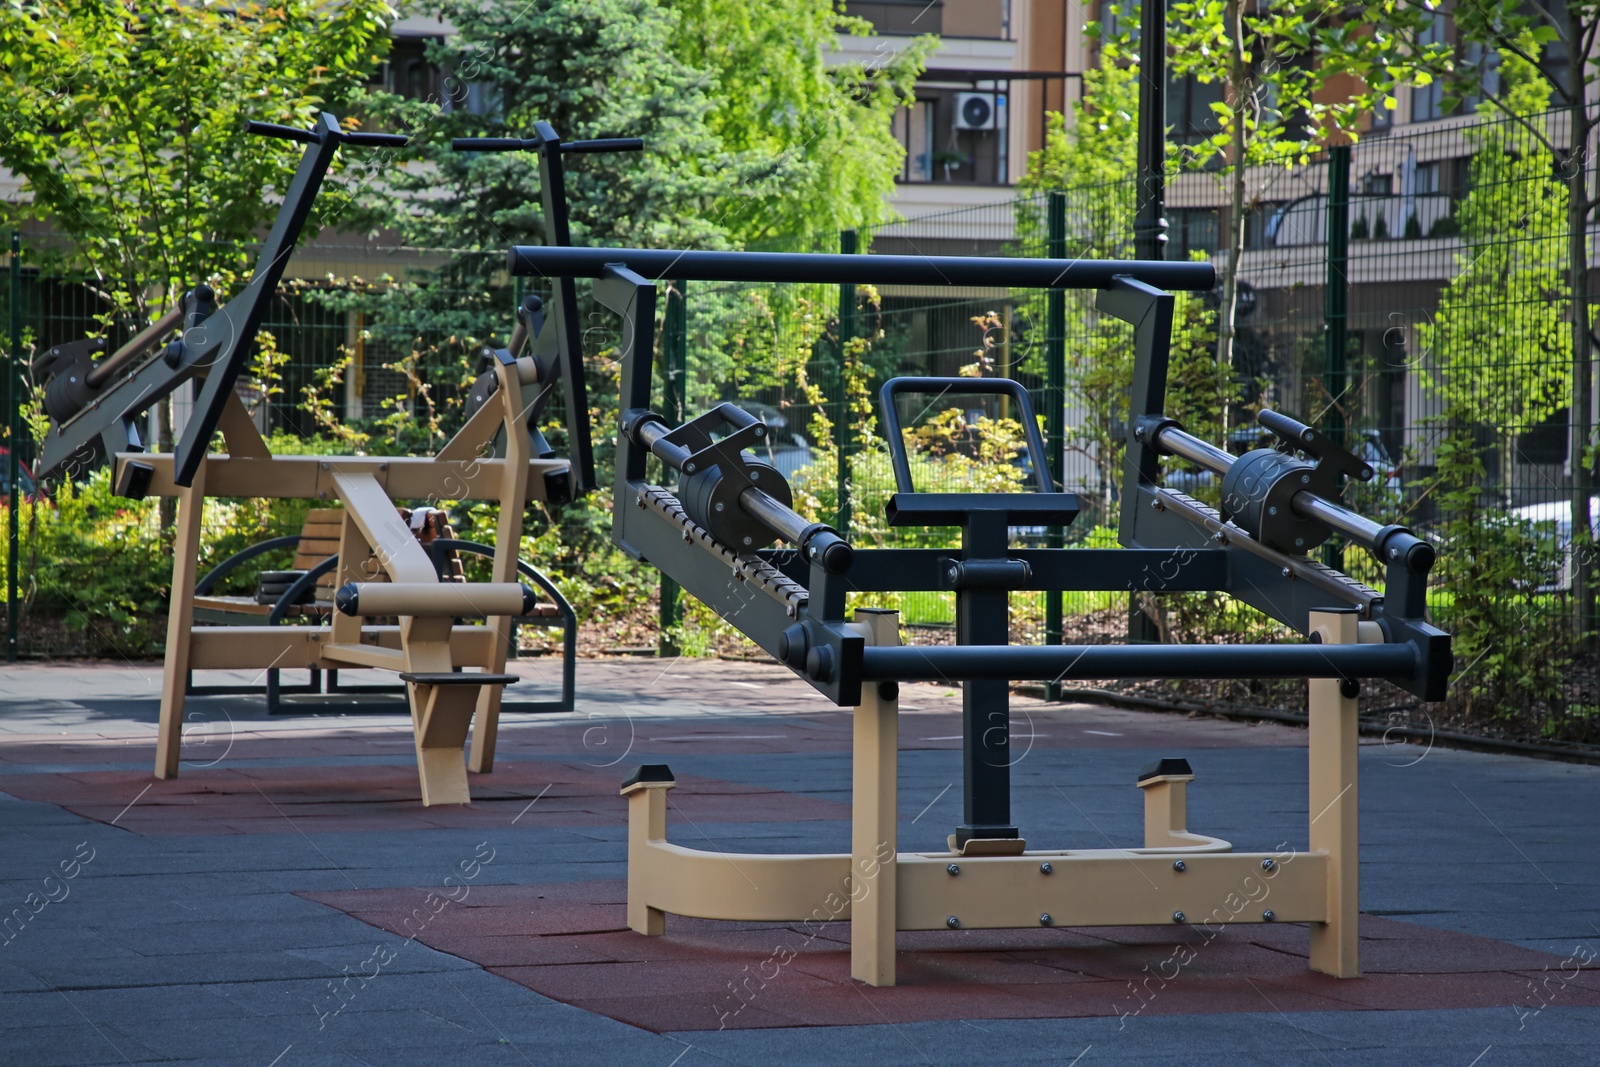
(1177, 877)
(425, 641)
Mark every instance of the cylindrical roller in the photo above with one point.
(435, 599)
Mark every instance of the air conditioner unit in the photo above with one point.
(975, 111)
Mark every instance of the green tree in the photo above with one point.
(810, 143)
(1295, 75)
(1498, 340)
(126, 123)
(1564, 30)
(591, 68)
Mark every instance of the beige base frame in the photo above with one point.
(1177, 877)
(425, 641)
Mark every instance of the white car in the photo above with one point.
(1554, 519)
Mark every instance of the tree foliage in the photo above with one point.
(809, 142)
(1295, 75)
(748, 132)
(126, 123)
(1497, 342)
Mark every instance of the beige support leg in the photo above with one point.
(647, 823)
(874, 801)
(1166, 809)
(1332, 743)
(180, 623)
(507, 550)
(440, 732)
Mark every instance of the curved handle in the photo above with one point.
(1003, 386)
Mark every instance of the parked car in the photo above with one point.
(1552, 522)
(27, 488)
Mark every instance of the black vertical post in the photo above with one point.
(1335, 305)
(674, 382)
(1149, 221)
(13, 445)
(1055, 357)
(983, 618)
(1149, 225)
(843, 434)
(1335, 292)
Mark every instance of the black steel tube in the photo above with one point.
(774, 516)
(1342, 519)
(818, 542)
(285, 133)
(1188, 446)
(660, 263)
(913, 663)
(376, 140)
(137, 346)
(605, 144)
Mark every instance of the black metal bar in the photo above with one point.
(982, 624)
(1335, 298)
(139, 344)
(674, 380)
(1149, 228)
(1055, 392)
(946, 663)
(661, 264)
(13, 412)
(843, 435)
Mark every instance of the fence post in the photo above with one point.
(843, 438)
(673, 384)
(13, 445)
(1335, 304)
(1150, 196)
(1055, 358)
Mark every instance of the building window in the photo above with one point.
(1189, 115)
(957, 135)
(914, 128)
(1192, 229)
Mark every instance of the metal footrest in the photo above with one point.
(459, 678)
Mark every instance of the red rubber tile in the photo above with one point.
(387, 799)
(705, 974)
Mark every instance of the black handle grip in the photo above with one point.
(284, 133)
(1287, 429)
(606, 144)
(377, 140)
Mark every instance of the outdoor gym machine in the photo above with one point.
(382, 571)
(712, 535)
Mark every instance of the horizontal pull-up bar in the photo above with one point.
(662, 263)
(913, 663)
